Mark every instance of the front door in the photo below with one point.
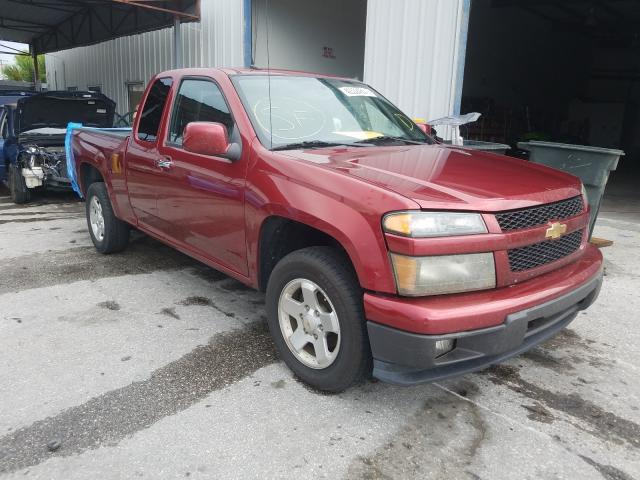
(200, 197)
(143, 169)
(4, 134)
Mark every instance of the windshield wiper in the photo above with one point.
(389, 138)
(312, 144)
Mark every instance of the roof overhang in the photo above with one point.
(52, 25)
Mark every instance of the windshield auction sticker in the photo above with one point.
(357, 92)
(363, 135)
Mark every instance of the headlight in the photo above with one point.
(433, 224)
(435, 275)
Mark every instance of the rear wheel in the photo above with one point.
(17, 186)
(316, 318)
(108, 233)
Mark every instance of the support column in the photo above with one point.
(177, 42)
(36, 73)
(247, 34)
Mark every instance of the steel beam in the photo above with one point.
(177, 43)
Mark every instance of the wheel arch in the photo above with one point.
(280, 236)
(89, 174)
(281, 233)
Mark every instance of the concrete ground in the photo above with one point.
(147, 364)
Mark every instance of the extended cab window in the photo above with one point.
(198, 100)
(152, 110)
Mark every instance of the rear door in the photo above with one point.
(142, 157)
(201, 198)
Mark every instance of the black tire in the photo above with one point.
(332, 272)
(17, 186)
(116, 232)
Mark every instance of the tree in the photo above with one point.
(22, 70)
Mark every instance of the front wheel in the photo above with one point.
(316, 318)
(108, 233)
(18, 186)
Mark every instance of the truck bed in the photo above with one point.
(95, 146)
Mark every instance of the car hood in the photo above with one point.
(444, 177)
(57, 109)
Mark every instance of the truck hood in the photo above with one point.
(443, 177)
(57, 109)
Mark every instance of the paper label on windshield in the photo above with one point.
(101, 110)
(357, 92)
(361, 135)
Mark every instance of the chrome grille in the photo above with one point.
(538, 254)
(535, 216)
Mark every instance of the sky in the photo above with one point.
(4, 58)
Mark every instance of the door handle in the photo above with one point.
(164, 163)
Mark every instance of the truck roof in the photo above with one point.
(230, 71)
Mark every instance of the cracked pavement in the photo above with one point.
(148, 364)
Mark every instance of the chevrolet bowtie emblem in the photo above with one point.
(555, 230)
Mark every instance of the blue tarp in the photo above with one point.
(71, 164)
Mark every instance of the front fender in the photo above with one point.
(344, 208)
(359, 238)
(10, 151)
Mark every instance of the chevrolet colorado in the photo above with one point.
(380, 251)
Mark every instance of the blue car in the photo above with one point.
(8, 99)
(33, 132)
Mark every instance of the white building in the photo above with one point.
(546, 69)
(410, 50)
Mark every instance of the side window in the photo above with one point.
(4, 125)
(198, 101)
(152, 110)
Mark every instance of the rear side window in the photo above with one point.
(152, 110)
(198, 100)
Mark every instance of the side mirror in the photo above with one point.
(423, 125)
(206, 138)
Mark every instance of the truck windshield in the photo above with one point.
(315, 112)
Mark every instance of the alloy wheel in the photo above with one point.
(309, 323)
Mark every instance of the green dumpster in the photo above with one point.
(591, 164)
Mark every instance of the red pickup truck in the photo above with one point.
(380, 250)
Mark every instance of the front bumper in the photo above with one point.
(49, 178)
(407, 358)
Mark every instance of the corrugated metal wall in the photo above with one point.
(411, 53)
(215, 41)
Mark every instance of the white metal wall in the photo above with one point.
(412, 52)
(299, 29)
(215, 41)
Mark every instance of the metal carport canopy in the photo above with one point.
(52, 25)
